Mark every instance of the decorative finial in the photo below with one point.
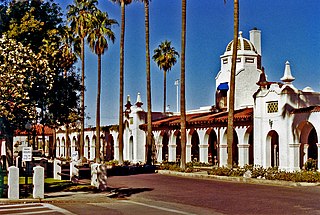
(139, 103)
(287, 77)
(240, 33)
(263, 79)
(128, 105)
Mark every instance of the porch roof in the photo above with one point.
(206, 119)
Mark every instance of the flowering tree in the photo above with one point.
(21, 72)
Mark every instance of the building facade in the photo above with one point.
(276, 124)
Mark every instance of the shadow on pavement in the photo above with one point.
(125, 192)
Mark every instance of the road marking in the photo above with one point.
(42, 208)
(159, 208)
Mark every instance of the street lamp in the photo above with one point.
(28, 127)
(176, 83)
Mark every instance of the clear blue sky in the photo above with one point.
(290, 31)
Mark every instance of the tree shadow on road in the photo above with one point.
(125, 192)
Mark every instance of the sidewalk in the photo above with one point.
(204, 175)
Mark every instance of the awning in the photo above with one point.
(223, 86)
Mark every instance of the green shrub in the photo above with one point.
(310, 165)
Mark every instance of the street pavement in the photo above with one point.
(162, 194)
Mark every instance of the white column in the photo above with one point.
(223, 156)
(188, 153)
(172, 153)
(305, 151)
(203, 154)
(318, 156)
(243, 150)
(294, 156)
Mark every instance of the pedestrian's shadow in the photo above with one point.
(125, 192)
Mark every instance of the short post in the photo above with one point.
(99, 176)
(57, 169)
(13, 183)
(38, 182)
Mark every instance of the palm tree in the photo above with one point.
(165, 56)
(98, 36)
(149, 117)
(79, 15)
(230, 136)
(183, 123)
(123, 3)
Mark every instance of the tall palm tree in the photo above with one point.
(183, 123)
(165, 56)
(79, 15)
(98, 36)
(123, 3)
(149, 117)
(230, 135)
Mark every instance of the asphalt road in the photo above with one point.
(162, 194)
(158, 194)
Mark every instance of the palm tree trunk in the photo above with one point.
(182, 88)
(164, 91)
(230, 135)
(82, 100)
(149, 122)
(121, 82)
(98, 112)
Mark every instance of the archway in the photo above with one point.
(58, 148)
(87, 148)
(195, 146)
(273, 149)
(165, 143)
(213, 147)
(178, 144)
(235, 154)
(308, 140)
(131, 148)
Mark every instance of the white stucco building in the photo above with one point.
(275, 124)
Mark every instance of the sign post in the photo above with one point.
(27, 157)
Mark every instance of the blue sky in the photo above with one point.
(290, 31)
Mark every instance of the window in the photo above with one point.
(238, 60)
(249, 60)
(225, 60)
(272, 107)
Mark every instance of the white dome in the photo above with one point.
(243, 44)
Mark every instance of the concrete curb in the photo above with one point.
(204, 175)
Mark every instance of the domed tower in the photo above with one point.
(248, 71)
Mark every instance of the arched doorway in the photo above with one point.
(273, 149)
(213, 147)
(251, 148)
(195, 146)
(165, 150)
(178, 148)
(308, 140)
(131, 148)
(235, 151)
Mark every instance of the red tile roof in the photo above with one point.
(38, 127)
(207, 119)
(306, 110)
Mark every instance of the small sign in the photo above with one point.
(74, 156)
(27, 154)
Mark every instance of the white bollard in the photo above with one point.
(74, 171)
(99, 176)
(38, 182)
(13, 183)
(94, 174)
(56, 169)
